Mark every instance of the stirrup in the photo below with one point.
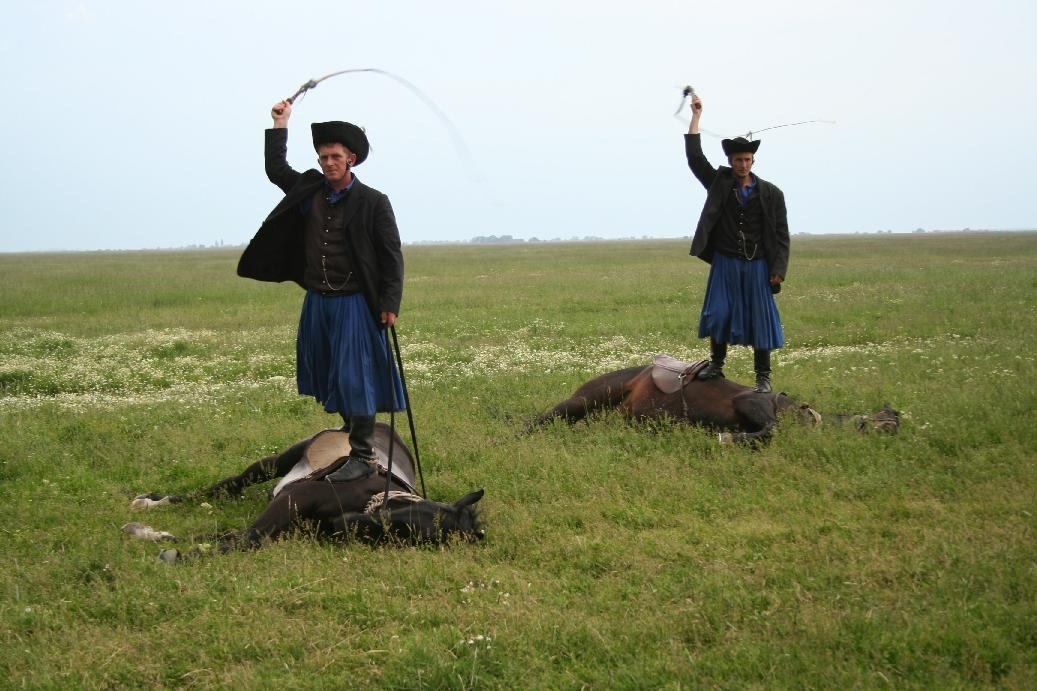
(355, 468)
(711, 371)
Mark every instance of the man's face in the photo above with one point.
(741, 163)
(335, 161)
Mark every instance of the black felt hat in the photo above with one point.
(739, 145)
(345, 133)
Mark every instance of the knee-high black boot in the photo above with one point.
(360, 463)
(762, 365)
(361, 436)
(717, 355)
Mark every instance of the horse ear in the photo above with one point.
(469, 499)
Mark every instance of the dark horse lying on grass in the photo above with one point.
(669, 388)
(357, 508)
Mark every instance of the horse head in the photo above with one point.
(425, 520)
(886, 419)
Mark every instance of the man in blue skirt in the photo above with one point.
(743, 233)
(337, 238)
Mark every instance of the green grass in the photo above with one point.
(617, 556)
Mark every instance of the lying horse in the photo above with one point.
(303, 496)
(669, 388)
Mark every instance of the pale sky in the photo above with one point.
(137, 124)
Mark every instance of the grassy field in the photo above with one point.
(617, 555)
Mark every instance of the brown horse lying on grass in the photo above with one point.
(669, 388)
(347, 509)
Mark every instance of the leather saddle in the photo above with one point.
(326, 451)
(670, 375)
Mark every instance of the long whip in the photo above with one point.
(689, 91)
(455, 135)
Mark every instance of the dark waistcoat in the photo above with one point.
(329, 264)
(739, 230)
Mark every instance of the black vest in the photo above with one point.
(329, 265)
(740, 228)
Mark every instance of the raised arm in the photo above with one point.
(697, 161)
(696, 113)
(276, 148)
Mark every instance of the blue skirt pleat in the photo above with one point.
(343, 359)
(739, 307)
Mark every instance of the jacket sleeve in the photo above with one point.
(276, 154)
(386, 240)
(697, 161)
(781, 232)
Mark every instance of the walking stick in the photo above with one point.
(410, 412)
(392, 425)
(392, 415)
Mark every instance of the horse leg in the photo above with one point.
(313, 500)
(606, 391)
(274, 465)
(279, 515)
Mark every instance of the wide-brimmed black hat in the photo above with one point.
(739, 145)
(345, 133)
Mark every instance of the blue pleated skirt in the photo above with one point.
(343, 359)
(739, 307)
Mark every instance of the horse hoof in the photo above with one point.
(145, 532)
(150, 501)
(726, 438)
(169, 556)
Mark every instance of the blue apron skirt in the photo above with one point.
(739, 307)
(343, 359)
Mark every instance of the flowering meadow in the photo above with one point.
(618, 555)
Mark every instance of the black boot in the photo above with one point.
(355, 468)
(361, 436)
(717, 355)
(360, 463)
(762, 365)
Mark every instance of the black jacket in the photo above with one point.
(718, 182)
(276, 253)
